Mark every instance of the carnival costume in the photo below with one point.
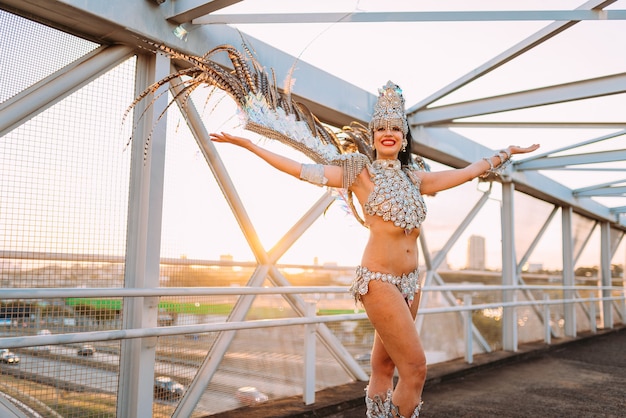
(275, 114)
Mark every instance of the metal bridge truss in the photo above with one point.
(116, 26)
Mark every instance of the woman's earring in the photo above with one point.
(404, 144)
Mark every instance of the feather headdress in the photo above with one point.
(264, 108)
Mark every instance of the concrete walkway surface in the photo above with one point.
(583, 377)
(575, 378)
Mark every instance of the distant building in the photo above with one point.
(476, 253)
(227, 259)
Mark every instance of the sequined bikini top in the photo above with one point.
(395, 197)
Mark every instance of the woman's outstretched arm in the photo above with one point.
(433, 182)
(284, 164)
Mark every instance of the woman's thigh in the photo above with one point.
(394, 322)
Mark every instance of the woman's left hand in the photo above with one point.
(514, 149)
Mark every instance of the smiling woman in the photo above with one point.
(389, 186)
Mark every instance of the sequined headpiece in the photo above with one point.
(389, 108)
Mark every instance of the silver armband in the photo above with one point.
(313, 173)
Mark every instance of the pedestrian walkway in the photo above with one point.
(581, 377)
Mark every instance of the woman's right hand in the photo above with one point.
(231, 139)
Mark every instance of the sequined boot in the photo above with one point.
(378, 408)
(395, 413)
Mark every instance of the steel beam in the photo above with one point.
(520, 165)
(509, 267)
(56, 87)
(598, 186)
(409, 16)
(143, 248)
(534, 125)
(181, 11)
(569, 309)
(605, 274)
(547, 163)
(604, 191)
(567, 92)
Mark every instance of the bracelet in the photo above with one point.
(490, 169)
(508, 154)
(504, 163)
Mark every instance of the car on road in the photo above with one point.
(10, 358)
(167, 388)
(249, 395)
(86, 350)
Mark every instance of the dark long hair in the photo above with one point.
(405, 156)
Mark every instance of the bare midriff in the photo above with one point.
(389, 248)
(390, 257)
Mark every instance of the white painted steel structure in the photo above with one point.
(121, 28)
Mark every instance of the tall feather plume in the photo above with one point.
(264, 109)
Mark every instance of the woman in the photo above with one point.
(390, 191)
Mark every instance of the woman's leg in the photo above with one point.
(419, 352)
(381, 378)
(397, 343)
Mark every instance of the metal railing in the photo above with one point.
(310, 320)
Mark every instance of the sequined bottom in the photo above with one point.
(408, 284)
